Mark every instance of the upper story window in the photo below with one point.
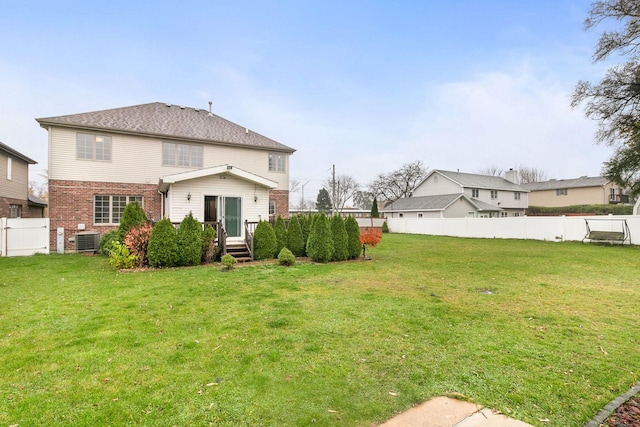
(516, 195)
(475, 192)
(561, 192)
(181, 155)
(109, 209)
(276, 162)
(93, 147)
(494, 194)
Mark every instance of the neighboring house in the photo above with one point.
(579, 191)
(446, 194)
(171, 159)
(15, 200)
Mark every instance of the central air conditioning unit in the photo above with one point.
(87, 241)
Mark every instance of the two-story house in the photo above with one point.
(447, 194)
(586, 190)
(15, 200)
(171, 159)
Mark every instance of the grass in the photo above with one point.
(544, 332)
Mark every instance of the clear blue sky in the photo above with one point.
(364, 85)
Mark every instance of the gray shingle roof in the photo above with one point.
(17, 154)
(434, 203)
(162, 120)
(471, 180)
(555, 184)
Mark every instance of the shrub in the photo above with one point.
(137, 241)
(385, 227)
(106, 241)
(189, 237)
(320, 244)
(228, 261)
(370, 237)
(163, 246)
(281, 233)
(340, 239)
(353, 237)
(209, 249)
(120, 257)
(295, 241)
(132, 216)
(264, 241)
(286, 258)
(305, 224)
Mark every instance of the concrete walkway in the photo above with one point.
(447, 412)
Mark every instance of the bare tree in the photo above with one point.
(363, 199)
(342, 190)
(294, 184)
(491, 171)
(399, 183)
(530, 174)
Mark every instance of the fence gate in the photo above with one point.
(24, 236)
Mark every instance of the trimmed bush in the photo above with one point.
(163, 245)
(132, 216)
(209, 249)
(320, 244)
(120, 257)
(189, 238)
(286, 258)
(281, 233)
(340, 239)
(353, 237)
(305, 225)
(106, 241)
(385, 227)
(137, 241)
(228, 261)
(264, 241)
(295, 241)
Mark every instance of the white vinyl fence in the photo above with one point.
(549, 228)
(24, 236)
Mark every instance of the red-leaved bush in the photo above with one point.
(137, 240)
(370, 237)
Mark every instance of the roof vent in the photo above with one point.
(182, 107)
(168, 105)
(197, 110)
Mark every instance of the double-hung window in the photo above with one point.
(475, 192)
(108, 209)
(276, 162)
(93, 147)
(516, 195)
(561, 192)
(174, 154)
(494, 194)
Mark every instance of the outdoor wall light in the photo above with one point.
(189, 196)
(255, 198)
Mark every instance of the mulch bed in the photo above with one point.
(627, 414)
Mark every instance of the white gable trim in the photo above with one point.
(166, 181)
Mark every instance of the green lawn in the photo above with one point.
(540, 331)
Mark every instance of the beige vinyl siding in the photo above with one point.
(219, 185)
(18, 186)
(574, 196)
(435, 185)
(139, 160)
(459, 209)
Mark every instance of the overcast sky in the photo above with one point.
(366, 86)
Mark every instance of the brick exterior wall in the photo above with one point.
(282, 202)
(71, 203)
(27, 210)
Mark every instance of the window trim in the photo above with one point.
(494, 194)
(15, 211)
(516, 195)
(279, 167)
(562, 192)
(475, 193)
(106, 147)
(110, 208)
(177, 158)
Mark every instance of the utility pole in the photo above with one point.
(302, 203)
(333, 198)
